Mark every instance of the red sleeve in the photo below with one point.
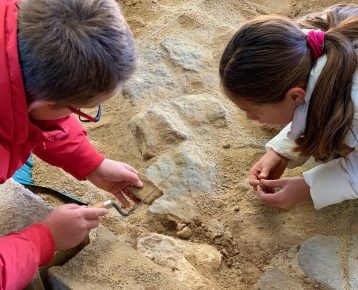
(66, 146)
(22, 253)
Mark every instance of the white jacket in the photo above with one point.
(336, 180)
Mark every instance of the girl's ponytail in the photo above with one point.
(331, 108)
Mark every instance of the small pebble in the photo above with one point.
(226, 146)
(185, 233)
(180, 226)
(224, 252)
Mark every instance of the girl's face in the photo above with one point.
(280, 113)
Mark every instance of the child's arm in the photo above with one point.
(23, 252)
(334, 181)
(283, 145)
(67, 146)
(279, 155)
(337, 180)
(270, 166)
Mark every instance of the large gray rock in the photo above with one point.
(188, 261)
(158, 129)
(201, 110)
(186, 56)
(19, 207)
(274, 279)
(106, 264)
(319, 258)
(152, 77)
(180, 174)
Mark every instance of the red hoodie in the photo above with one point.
(62, 143)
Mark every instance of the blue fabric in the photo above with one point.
(24, 174)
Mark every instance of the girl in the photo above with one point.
(303, 74)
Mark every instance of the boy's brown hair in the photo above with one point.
(72, 51)
(269, 55)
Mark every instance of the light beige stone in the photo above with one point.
(191, 263)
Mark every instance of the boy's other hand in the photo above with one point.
(270, 166)
(69, 224)
(116, 178)
(285, 192)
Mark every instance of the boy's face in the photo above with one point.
(48, 110)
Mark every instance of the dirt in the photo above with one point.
(254, 233)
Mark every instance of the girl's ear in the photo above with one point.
(296, 95)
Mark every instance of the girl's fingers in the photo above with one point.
(273, 183)
(254, 181)
(264, 172)
(268, 198)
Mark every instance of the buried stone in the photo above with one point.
(183, 174)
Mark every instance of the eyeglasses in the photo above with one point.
(83, 117)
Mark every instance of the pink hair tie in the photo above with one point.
(315, 40)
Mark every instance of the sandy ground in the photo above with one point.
(254, 233)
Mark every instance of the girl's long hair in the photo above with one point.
(269, 55)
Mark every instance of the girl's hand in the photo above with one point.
(270, 166)
(116, 177)
(70, 223)
(287, 192)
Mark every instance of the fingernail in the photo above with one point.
(140, 183)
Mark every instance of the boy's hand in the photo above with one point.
(116, 177)
(69, 224)
(289, 192)
(270, 166)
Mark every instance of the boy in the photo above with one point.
(55, 56)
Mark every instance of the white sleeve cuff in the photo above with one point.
(329, 184)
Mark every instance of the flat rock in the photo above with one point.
(106, 264)
(274, 279)
(215, 228)
(188, 57)
(152, 77)
(319, 258)
(180, 174)
(189, 262)
(158, 129)
(201, 110)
